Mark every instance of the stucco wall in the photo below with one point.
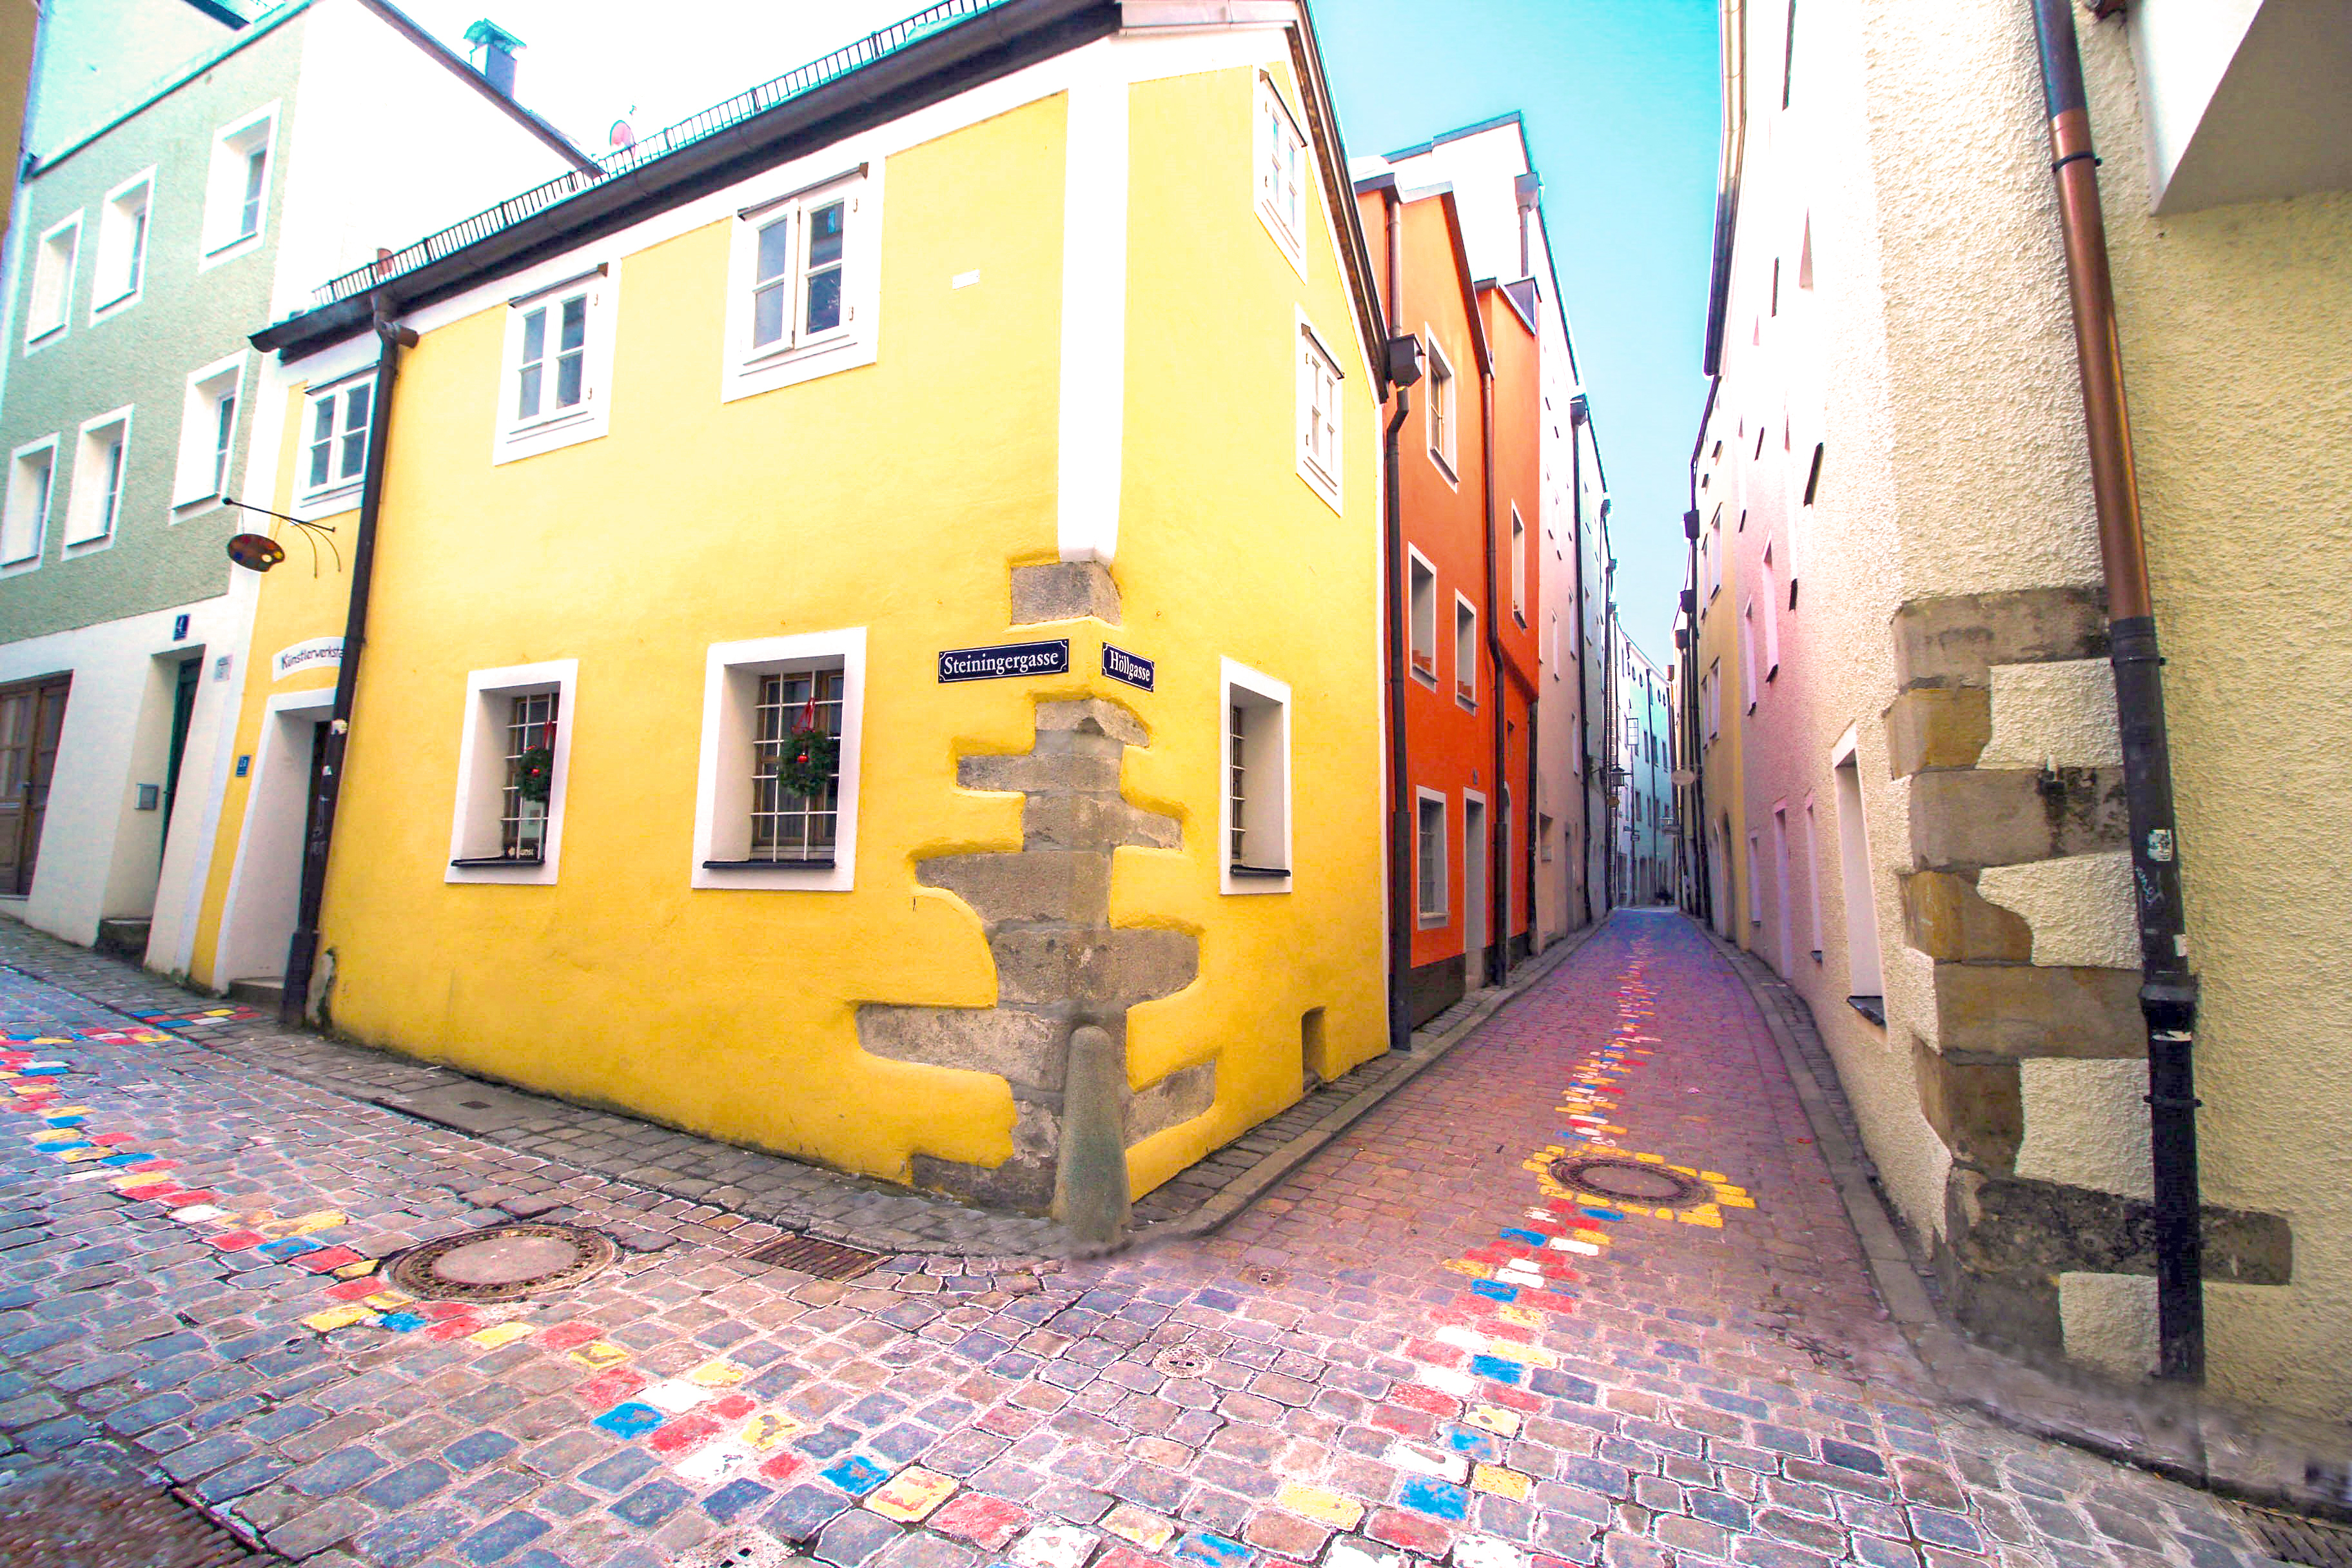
(1941, 318)
(2232, 322)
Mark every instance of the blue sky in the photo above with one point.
(1619, 100)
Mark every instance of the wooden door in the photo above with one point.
(32, 716)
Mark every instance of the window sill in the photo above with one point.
(1325, 489)
(1434, 922)
(531, 430)
(1870, 1007)
(1293, 246)
(1444, 469)
(44, 337)
(326, 502)
(1260, 871)
(221, 252)
(811, 865)
(481, 862)
(210, 498)
(101, 309)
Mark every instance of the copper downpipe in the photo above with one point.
(2168, 993)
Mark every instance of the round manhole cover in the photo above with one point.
(1631, 1181)
(1181, 1360)
(503, 1264)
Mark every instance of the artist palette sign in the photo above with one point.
(1005, 661)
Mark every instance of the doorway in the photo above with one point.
(266, 888)
(32, 716)
(1473, 891)
(183, 708)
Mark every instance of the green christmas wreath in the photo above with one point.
(534, 773)
(806, 762)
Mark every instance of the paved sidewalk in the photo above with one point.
(755, 1185)
(1424, 1343)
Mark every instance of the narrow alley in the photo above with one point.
(1582, 1292)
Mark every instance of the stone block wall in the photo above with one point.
(2003, 728)
(1060, 964)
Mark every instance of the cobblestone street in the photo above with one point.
(1443, 1338)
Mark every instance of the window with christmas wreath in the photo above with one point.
(530, 773)
(796, 766)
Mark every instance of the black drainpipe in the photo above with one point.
(1402, 864)
(1496, 960)
(303, 950)
(2168, 993)
(1583, 658)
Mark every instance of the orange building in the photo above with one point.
(1466, 478)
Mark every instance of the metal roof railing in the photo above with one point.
(865, 51)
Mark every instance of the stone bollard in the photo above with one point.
(1090, 1175)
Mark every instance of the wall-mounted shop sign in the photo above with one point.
(317, 654)
(1005, 660)
(1121, 665)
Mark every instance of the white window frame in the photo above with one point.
(749, 371)
(722, 803)
(1465, 655)
(1748, 652)
(1276, 125)
(339, 492)
(113, 235)
(91, 482)
(1424, 917)
(1240, 686)
(17, 558)
(1441, 409)
(475, 821)
(1518, 567)
(38, 333)
(519, 435)
(1419, 574)
(1771, 614)
(1320, 379)
(203, 471)
(222, 238)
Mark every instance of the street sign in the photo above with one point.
(1121, 665)
(1005, 660)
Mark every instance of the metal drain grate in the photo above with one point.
(818, 1260)
(2307, 1542)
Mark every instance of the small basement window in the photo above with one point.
(1255, 828)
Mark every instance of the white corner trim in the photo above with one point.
(1094, 320)
(722, 664)
(560, 675)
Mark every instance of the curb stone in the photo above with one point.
(2249, 1456)
(1425, 1052)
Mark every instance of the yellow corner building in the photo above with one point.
(884, 577)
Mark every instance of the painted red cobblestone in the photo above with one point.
(1422, 1343)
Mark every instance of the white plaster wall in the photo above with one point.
(1957, 464)
(2053, 716)
(1821, 370)
(389, 146)
(2080, 908)
(2109, 1322)
(98, 852)
(2233, 327)
(2086, 1126)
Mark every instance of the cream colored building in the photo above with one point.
(1894, 492)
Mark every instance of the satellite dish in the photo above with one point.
(623, 137)
(256, 552)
